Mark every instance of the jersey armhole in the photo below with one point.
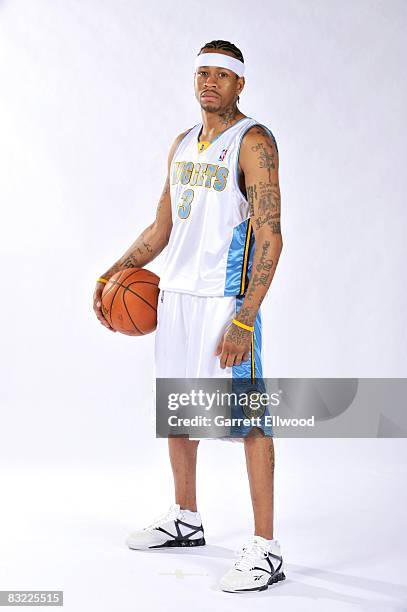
(182, 140)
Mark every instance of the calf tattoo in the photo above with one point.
(271, 454)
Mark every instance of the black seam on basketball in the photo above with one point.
(108, 289)
(111, 306)
(140, 297)
(112, 284)
(126, 288)
(142, 283)
(131, 272)
(121, 281)
(129, 315)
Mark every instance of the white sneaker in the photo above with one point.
(259, 565)
(174, 528)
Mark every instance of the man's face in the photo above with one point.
(216, 88)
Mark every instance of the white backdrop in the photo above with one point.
(92, 95)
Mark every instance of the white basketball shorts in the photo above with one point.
(189, 328)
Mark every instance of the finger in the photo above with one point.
(104, 321)
(246, 356)
(219, 348)
(230, 360)
(239, 359)
(223, 359)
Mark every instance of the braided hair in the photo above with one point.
(224, 45)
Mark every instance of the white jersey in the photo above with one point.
(211, 244)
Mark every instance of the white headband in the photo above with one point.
(221, 60)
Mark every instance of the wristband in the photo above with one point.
(243, 325)
(102, 280)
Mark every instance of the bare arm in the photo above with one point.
(149, 243)
(154, 238)
(259, 162)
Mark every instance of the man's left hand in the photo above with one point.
(234, 346)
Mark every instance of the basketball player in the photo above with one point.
(219, 218)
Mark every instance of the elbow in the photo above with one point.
(160, 233)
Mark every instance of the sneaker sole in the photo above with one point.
(174, 544)
(271, 581)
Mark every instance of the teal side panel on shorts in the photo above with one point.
(244, 369)
(258, 362)
(249, 375)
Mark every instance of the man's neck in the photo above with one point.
(215, 123)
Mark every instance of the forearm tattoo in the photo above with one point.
(261, 275)
(137, 256)
(162, 198)
(264, 205)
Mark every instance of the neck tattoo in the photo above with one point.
(228, 115)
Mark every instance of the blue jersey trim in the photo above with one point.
(249, 376)
(223, 132)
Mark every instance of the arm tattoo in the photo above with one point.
(266, 157)
(246, 315)
(263, 271)
(136, 257)
(163, 195)
(251, 197)
(268, 200)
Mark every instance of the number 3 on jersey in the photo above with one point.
(184, 207)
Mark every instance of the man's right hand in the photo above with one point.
(97, 305)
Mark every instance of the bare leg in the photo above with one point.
(259, 451)
(183, 454)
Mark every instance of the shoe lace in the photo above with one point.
(171, 514)
(248, 555)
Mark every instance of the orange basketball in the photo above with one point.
(129, 301)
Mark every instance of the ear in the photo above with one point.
(240, 85)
